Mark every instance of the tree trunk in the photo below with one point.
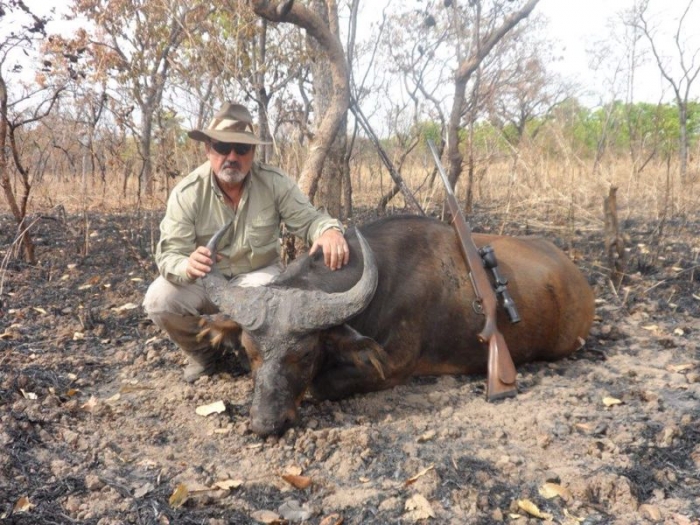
(330, 183)
(464, 73)
(325, 33)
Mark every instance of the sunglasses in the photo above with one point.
(224, 148)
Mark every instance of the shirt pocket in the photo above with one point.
(263, 230)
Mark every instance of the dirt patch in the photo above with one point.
(96, 425)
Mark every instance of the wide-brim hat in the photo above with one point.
(232, 123)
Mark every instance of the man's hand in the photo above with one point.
(336, 251)
(199, 262)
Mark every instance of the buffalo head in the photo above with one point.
(281, 329)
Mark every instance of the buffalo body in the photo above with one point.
(402, 308)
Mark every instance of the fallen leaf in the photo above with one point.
(212, 408)
(682, 520)
(266, 516)
(532, 509)
(78, 336)
(415, 478)
(28, 395)
(114, 398)
(611, 401)
(125, 389)
(127, 306)
(552, 490)
(89, 404)
(228, 484)
(72, 392)
(22, 505)
(298, 482)
(680, 368)
(584, 427)
(678, 332)
(426, 436)
(295, 512)
(179, 496)
(419, 508)
(332, 519)
(143, 490)
(650, 512)
(293, 470)
(40, 310)
(575, 518)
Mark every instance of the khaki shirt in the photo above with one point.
(196, 210)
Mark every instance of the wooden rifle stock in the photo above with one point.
(500, 382)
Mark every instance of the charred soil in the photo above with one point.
(97, 426)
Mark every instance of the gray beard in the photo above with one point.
(231, 176)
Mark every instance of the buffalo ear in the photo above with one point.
(346, 344)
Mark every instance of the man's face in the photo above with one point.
(230, 162)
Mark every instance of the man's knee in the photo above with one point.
(164, 297)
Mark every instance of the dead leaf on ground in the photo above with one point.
(413, 479)
(293, 470)
(552, 490)
(22, 505)
(267, 516)
(571, 516)
(611, 401)
(298, 482)
(127, 306)
(212, 408)
(680, 368)
(419, 508)
(28, 395)
(426, 436)
(39, 309)
(532, 509)
(332, 519)
(125, 389)
(179, 496)
(228, 484)
(89, 404)
(650, 512)
(681, 520)
(143, 490)
(10, 334)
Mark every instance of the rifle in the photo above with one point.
(500, 379)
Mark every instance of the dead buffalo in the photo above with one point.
(402, 307)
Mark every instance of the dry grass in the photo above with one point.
(533, 187)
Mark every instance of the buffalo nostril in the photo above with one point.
(272, 426)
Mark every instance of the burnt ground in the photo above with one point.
(97, 427)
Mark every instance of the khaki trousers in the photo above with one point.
(177, 308)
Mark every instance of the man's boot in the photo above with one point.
(203, 362)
